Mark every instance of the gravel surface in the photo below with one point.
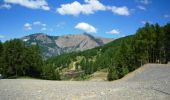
(151, 82)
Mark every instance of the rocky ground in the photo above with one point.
(150, 82)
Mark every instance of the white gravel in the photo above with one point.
(150, 84)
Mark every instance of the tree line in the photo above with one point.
(18, 59)
(150, 44)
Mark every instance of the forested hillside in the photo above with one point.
(150, 44)
(17, 59)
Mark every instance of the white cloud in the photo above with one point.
(114, 31)
(38, 23)
(1, 36)
(44, 25)
(86, 27)
(43, 29)
(70, 9)
(7, 6)
(146, 2)
(124, 11)
(90, 7)
(167, 16)
(76, 8)
(33, 4)
(141, 7)
(27, 26)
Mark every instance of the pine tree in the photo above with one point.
(35, 60)
(1, 57)
(20, 60)
(167, 41)
(49, 72)
(112, 74)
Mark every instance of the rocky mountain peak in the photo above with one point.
(56, 45)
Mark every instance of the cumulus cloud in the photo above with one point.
(33, 4)
(86, 27)
(120, 10)
(7, 6)
(76, 8)
(90, 7)
(37, 24)
(114, 31)
(27, 26)
(141, 7)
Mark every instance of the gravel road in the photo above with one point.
(150, 82)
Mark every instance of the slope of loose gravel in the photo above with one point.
(150, 72)
(151, 82)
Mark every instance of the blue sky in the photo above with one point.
(106, 18)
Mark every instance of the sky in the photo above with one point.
(105, 18)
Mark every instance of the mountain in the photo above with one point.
(91, 63)
(57, 45)
(150, 44)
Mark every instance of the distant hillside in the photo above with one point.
(150, 44)
(79, 65)
(57, 45)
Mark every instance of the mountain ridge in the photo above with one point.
(57, 45)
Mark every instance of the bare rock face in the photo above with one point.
(82, 41)
(56, 45)
(44, 38)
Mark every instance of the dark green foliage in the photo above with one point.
(154, 41)
(88, 66)
(20, 60)
(1, 55)
(49, 72)
(167, 42)
(33, 61)
(61, 61)
(112, 74)
(149, 45)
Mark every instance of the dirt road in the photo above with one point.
(150, 82)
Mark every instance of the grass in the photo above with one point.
(26, 77)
